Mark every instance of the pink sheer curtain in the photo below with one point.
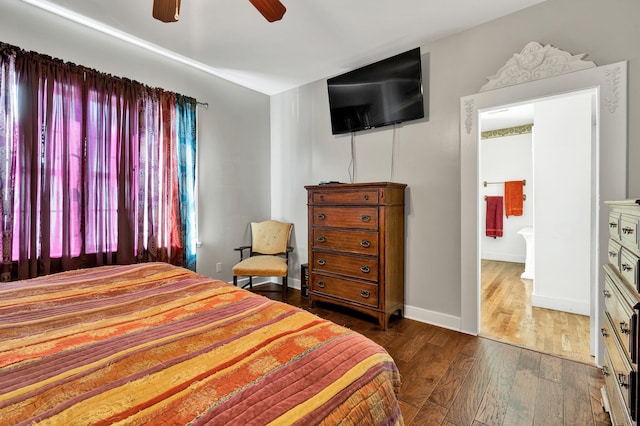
(89, 168)
(110, 176)
(159, 228)
(8, 147)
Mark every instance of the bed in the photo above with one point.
(157, 344)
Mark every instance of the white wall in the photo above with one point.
(234, 138)
(505, 159)
(563, 186)
(428, 153)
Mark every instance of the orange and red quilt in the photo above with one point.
(153, 344)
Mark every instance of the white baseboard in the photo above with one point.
(504, 257)
(434, 318)
(564, 305)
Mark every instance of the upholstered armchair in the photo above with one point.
(267, 256)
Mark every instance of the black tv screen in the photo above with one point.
(383, 93)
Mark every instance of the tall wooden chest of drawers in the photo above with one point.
(356, 247)
(620, 324)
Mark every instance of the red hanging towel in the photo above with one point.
(494, 217)
(513, 198)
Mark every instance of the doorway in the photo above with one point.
(610, 174)
(546, 145)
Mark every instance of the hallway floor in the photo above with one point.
(507, 316)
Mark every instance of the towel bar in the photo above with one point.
(524, 183)
(524, 197)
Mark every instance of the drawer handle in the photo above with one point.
(605, 370)
(624, 328)
(321, 216)
(322, 262)
(366, 197)
(626, 267)
(321, 239)
(365, 294)
(366, 218)
(365, 269)
(627, 230)
(321, 284)
(612, 254)
(613, 225)
(622, 380)
(365, 243)
(604, 332)
(322, 198)
(606, 293)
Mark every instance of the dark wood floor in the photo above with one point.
(454, 379)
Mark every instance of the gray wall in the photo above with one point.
(427, 153)
(234, 141)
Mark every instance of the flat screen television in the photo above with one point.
(380, 94)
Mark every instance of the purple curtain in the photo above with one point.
(89, 168)
(48, 180)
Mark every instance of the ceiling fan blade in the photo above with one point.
(166, 10)
(272, 10)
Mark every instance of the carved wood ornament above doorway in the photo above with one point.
(536, 62)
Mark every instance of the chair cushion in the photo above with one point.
(270, 236)
(261, 266)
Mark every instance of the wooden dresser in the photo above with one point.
(356, 247)
(620, 324)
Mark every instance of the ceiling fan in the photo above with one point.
(169, 10)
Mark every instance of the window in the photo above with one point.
(93, 168)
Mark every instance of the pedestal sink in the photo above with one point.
(529, 264)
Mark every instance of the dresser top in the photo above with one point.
(629, 202)
(359, 185)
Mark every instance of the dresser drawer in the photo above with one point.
(629, 231)
(357, 267)
(629, 267)
(362, 242)
(614, 225)
(617, 409)
(345, 197)
(622, 315)
(621, 370)
(345, 217)
(353, 291)
(613, 253)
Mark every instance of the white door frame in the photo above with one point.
(610, 82)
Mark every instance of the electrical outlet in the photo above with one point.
(219, 267)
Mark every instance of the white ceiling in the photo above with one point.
(316, 39)
(508, 116)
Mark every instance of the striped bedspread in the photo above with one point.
(153, 344)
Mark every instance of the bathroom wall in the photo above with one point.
(563, 164)
(504, 159)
